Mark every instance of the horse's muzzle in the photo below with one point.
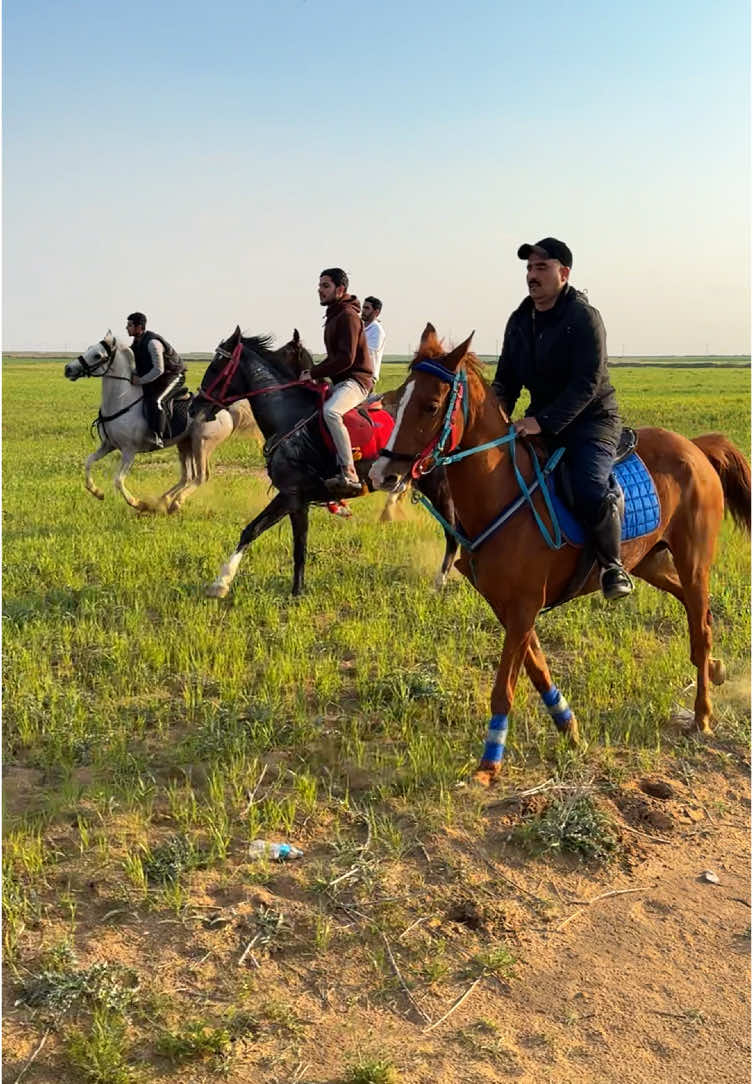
(384, 475)
(71, 372)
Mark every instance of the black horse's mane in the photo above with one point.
(260, 344)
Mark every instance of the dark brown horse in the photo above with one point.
(515, 569)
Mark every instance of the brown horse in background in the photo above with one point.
(516, 571)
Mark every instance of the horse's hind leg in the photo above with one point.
(175, 497)
(553, 700)
(299, 520)
(104, 449)
(658, 569)
(275, 510)
(692, 557)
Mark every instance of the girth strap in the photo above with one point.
(111, 417)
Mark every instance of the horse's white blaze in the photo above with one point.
(379, 469)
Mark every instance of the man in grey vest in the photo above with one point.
(160, 370)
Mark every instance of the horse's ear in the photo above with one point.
(296, 336)
(455, 356)
(236, 336)
(426, 334)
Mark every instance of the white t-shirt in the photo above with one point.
(375, 336)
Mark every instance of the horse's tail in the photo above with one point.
(734, 472)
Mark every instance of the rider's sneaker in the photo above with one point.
(341, 485)
(615, 583)
(339, 508)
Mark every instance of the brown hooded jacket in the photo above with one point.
(348, 355)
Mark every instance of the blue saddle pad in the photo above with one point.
(641, 503)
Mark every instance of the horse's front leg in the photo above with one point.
(126, 462)
(299, 520)
(104, 449)
(278, 507)
(516, 648)
(553, 700)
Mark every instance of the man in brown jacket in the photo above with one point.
(348, 365)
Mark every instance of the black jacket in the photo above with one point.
(173, 361)
(561, 357)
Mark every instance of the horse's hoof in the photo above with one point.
(717, 672)
(97, 493)
(217, 590)
(571, 733)
(439, 581)
(487, 773)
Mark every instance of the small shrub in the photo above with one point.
(575, 824)
(371, 1071)
(173, 857)
(196, 1039)
(98, 1056)
(104, 986)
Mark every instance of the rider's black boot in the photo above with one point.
(615, 582)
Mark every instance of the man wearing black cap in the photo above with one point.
(555, 346)
(159, 369)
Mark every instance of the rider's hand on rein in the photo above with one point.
(527, 427)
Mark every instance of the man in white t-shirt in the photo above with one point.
(375, 334)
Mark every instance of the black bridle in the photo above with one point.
(92, 369)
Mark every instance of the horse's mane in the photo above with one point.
(260, 344)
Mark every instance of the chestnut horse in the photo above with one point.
(514, 568)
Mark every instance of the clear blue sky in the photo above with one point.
(203, 162)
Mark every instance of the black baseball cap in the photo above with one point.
(551, 248)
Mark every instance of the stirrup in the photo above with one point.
(343, 486)
(615, 583)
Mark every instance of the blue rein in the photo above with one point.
(458, 382)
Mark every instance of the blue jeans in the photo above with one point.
(591, 462)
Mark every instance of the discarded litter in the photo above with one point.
(710, 876)
(279, 852)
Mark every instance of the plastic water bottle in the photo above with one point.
(279, 852)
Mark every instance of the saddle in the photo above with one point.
(369, 428)
(637, 500)
(175, 407)
(563, 481)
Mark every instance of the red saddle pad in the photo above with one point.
(370, 427)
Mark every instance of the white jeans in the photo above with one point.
(346, 395)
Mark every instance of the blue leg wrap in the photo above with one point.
(557, 707)
(496, 739)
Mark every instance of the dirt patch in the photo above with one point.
(547, 970)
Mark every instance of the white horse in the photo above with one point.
(121, 425)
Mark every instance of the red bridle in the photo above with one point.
(227, 373)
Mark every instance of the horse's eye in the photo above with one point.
(431, 408)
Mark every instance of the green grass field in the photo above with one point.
(136, 709)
